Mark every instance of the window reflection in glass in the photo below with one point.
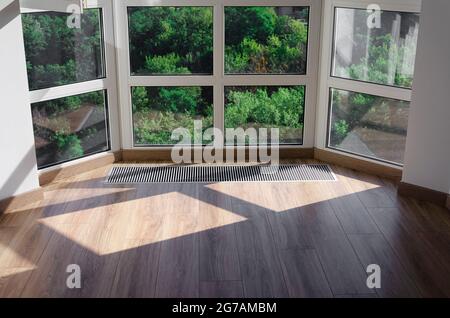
(368, 125)
(70, 128)
(384, 55)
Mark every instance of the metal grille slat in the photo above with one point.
(219, 173)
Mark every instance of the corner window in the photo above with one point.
(372, 71)
(68, 82)
(368, 125)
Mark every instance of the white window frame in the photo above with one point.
(49, 5)
(326, 81)
(108, 83)
(218, 80)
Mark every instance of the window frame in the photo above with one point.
(107, 84)
(327, 81)
(218, 80)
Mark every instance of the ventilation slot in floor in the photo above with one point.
(224, 173)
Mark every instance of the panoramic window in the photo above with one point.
(171, 40)
(369, 125)
(194, 62)
(366, 117)
(266, 40)
(58, 55)
(69, 128)
(266, 107)
(158, 111)
(384, 55)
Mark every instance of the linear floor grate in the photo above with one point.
(219, 173)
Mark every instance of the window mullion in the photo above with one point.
(370, 88)
(219, 59)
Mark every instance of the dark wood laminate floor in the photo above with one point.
(225, 240)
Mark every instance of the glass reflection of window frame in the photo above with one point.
(334, 48)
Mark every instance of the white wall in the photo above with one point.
(427, 161)
(18, 169)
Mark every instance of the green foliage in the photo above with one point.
(179, 40)
(341, 128)
(169, 99)
(258, 40)
(383, 61)
(265, 108)
(59, 106)
(358, 99)
(93, 98)
(69, 145)
(156, 127)
(168, 64)
(256, 23)
(359, 105)
(171, 39)
(349, 108)
(179, 99)
(58, 55)
(139, 99)
(160, 110)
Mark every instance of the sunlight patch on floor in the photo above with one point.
(282, 197)
(9, 272)
(144, 221)
(11, 259)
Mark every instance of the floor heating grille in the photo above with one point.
(219, 173)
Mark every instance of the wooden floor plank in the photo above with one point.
(178, 269)
(288, 230)
(219, 258)
(370, 189)
(417, 252)
(303, 274)
(136, 272)
(222, 289)
(258, 257)
(342, 267)
(349, 209)
(395, 281)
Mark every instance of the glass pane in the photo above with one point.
(70, 128)
(158, 111)
(384, 55)
(368, 125)
(266, 107)
(171, 40)
(266, 40)
(58, 54)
